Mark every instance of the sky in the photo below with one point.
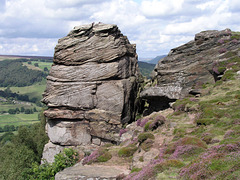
(33, 27)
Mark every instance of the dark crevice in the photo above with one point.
(156, 104)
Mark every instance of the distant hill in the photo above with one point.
(156, 59)
(146, 68)
(5, 57)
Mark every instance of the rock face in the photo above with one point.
(189, 66)
(91, 86)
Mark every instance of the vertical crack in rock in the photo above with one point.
(91, 87)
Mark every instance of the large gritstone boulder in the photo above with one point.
(91, 86)
(188, 67)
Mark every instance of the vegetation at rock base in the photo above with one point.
(18, 152)
(65, 159)
(144, 136)
(100, 155)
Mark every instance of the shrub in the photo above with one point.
(146, 127)
(104, 157)
(144, 136)
(127, 151)
(146, 145)
(159, 120)
(135, 169)
(218, 162)
(143, 122)
(100, 155)
(185, 144)
(67, 158)
(122, 131)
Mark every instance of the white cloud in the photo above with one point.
(27, 46)
(156, 26)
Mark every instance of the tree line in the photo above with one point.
(21, 110)
(8, 128)
(7, 93)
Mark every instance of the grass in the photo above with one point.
(41, 65)
(127, 151)
(7, 106)
(18, 119)
(33, 91)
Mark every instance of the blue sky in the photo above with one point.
(32, 27)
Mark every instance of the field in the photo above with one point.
(32, 91)
(6, 106)
(18, 119)
(41, 65)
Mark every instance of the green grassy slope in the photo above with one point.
(32, 91)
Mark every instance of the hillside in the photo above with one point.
(146, 68)
(189, 125)
(156, 59)
(22, 82)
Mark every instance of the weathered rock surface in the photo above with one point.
(91, 86)
(79, 172)
(191, 65)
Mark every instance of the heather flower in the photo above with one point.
(228, 133)
(122, 131)
(180, 107)
(193, 99)
(215, 69)
(139, 122)
(222, 50)
(159, 120)
(92, 157)
(235, 41)
(221, 41)
(143, 122)
(182, 150)
(230, 64)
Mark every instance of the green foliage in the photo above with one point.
(18, 152)
(141, 159)
(127, 151)
(105, 156)
(67, 158)
(135, 169)
(235, 36)
(13, 73)
(144, 136)
(146, 145)
(146, 127)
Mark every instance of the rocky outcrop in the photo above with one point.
(91, 86)
(189, 66)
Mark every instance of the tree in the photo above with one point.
(36, 65)
(6, 128)
(45, 69)
(29, 62)
(22, 109)
(12, 111)
(17, 110)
